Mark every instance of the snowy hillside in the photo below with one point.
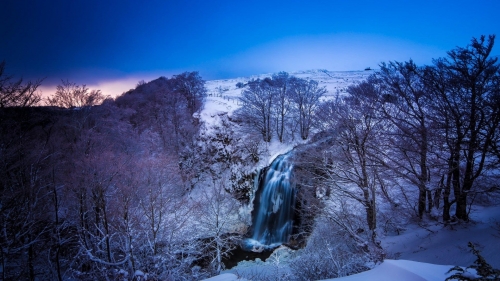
(424, 251)
(223, 96)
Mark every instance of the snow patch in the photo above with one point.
(224, 277)
(389, 270)
(397, 270)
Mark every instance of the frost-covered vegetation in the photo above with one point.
(158, 183)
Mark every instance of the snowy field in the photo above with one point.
(421, 252)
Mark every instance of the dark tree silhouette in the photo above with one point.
(70, 95)
(466, 89)
(15, 93)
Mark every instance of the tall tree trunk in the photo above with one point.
(429, 201)
(4, 262)
(455, 182)
(58, 263)
(281, 128)
(106, 228)
(446, 198)
(422, 193)
(461, 210)
(31, 268)
(57, 234)
(437, 194)
(371, 215)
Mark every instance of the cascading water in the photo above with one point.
(273, 207)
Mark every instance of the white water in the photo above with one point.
(274, 203)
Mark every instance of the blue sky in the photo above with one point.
(103, 43)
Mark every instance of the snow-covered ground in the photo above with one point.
(395, 270)
(389, 270)
(436, 243)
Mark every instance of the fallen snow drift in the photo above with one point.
(224, 277)
(398, 270)
(389, 270)
(441, 244)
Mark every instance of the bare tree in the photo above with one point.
(330, 253)
(163, 109)
(165, 217)
(192, 87)
(257, 104)
(273, 105)
(282, 103)
(15, 93)
(23, 192)
(306, 97)
(349, 165)
(465, 87)
(70, 95)
(80, 201)
(405, 104)
(219, 220)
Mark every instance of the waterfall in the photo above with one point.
(273, 207)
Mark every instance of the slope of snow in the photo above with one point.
(334, 81)
(224, 277)
(223, 96)
(397, 270)
(441, 244)
(389, 270)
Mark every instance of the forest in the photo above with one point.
(139, 186)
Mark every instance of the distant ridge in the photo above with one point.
(335, 82)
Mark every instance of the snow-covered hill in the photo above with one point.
(223, 95)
